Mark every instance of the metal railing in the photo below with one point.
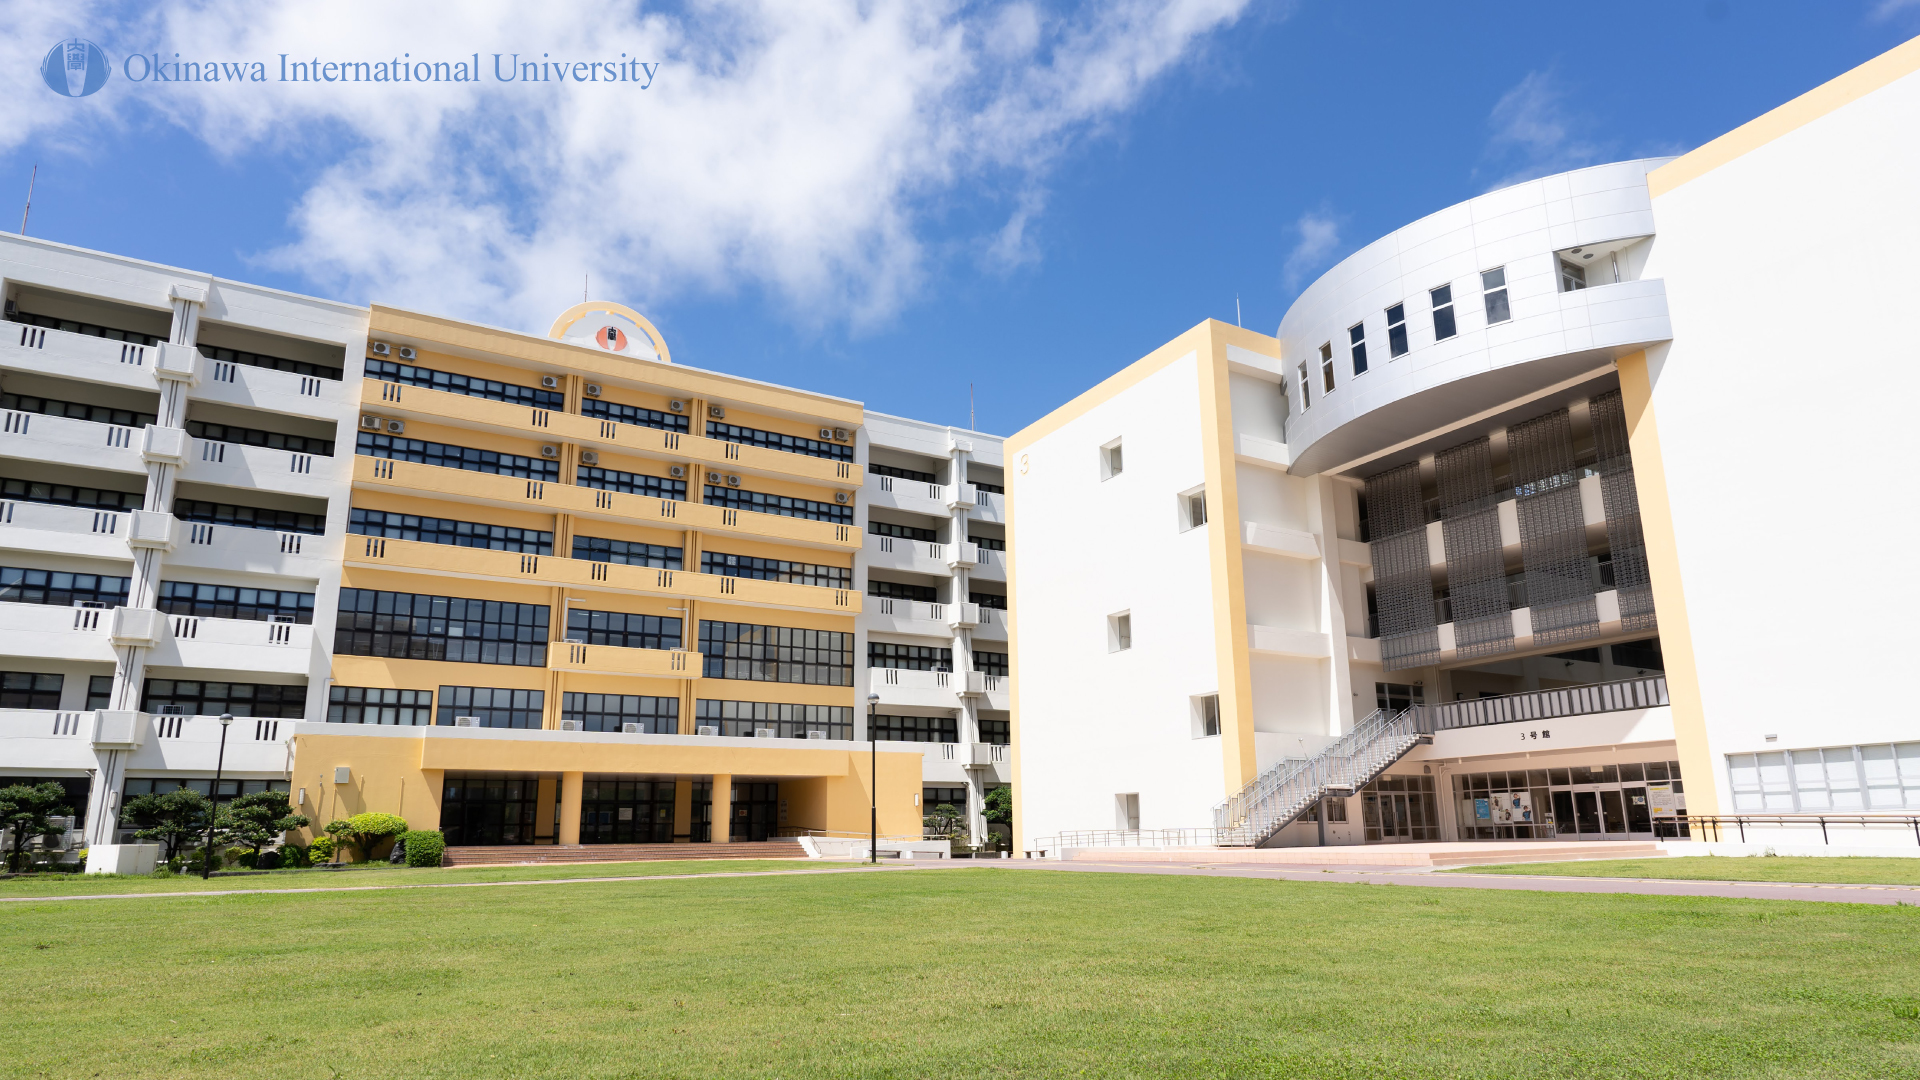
(1644, 693)
(1150, 838)
(1715, 826)
(1281, 794)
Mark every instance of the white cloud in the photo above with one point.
(801, 149)
(1319, 233)
(1533, 136)
(1887, 9)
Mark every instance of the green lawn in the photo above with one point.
(1850, 871)
(978, 972)
(96, 884)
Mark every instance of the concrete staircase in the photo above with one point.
(548, 854)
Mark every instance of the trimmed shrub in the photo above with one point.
(424, 847)
(364, 833)
(321, 851)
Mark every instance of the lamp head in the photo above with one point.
(873, 699)
(226, 718)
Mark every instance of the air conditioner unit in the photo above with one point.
(717, 412)
(765, 733)
(396, 427)
(549, 451)
(840, 497)
(826, 433)
(466, 721)
(592, 389)
(630, 729)
(280, 618)
(841, 434)
(678, 472)
(406, 352)
(550, 382)
(676, 406)
(372, 423)
(173, 710)
(88, 604)
(706, 731)
(816, 733)
(733, 481)
(572, 725)
(379, 348)
(713, 478)
(589, 457)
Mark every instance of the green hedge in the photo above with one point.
(424, 847)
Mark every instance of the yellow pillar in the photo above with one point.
(683, 810)
(570, 785)
(542, 824)
(722, 807)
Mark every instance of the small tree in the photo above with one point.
(174, 818)
(26, 810)
(257, 819)
(946, 821)
(365, 831)
(1000, 806)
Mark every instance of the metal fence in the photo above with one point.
(1643, 693)
(1716, 826)
(1149, 838)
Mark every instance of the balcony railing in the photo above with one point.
(1645, 693)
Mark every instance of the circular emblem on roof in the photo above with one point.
(614, 327)
(75, 68)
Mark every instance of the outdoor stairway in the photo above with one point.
(1278, 796)
(539, 854)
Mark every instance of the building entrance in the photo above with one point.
(1400, 809)
(1629, 801)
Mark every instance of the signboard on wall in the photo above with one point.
(1663, 801)
(1513, 808)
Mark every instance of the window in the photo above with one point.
(900, 590)
(68, 495)
(61, 589)
(773, 440)
(1883, 776)
(903, 532)
(988, 543)
(996, 489)
(1306, 390)
(902, 474)
(658, 487)
(1494, 282)
(612, 712)
(192, 697)
(274, 363)
(445, 456)
(1397, 698)
(249, 517)
(429, 379)
(1119, 632)
(934, 729)
(272, 440)
(1326, 367)
(99, 692)
(233, 602)
(932, 798)
(622, 810)
(412, 626)
(1112, 461)
(30, 690)
(1357, 344)
(996, 601)
(1442, 298)
(1572, 277)
(1642, 655)
(492, 706)
(776, 654)
(623, 629)
(886, 654)
(990, 663)
(627, 552)
(490, 808)
(740, 719)
(784, 506)
(1126, 811)
(431, 530)
(632, 414)
(1206, 716)
(89, 329)
(793, 573)
(1336, 810)
(73, 410)
(373, 705)
(997, 732)
(1397, 331)
(1193, 510)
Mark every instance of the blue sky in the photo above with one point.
(1070, 187)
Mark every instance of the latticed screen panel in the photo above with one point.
(1553, 532)
(1621, 496)
(1402, 580)
(1476, 569)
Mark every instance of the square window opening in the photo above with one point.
(1112, 464)
(1120, 632)
(1206, 716)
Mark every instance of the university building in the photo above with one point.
(531, 590)
(1522, 527)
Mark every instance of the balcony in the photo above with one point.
(406, 477)
(77, 356)
(912, 556)
(614, 660)
(56, 633)
(934, 500)
(270, 390)
(553, 572)
(907, 617)
(60, 439)
(991, 565)
(47, 739)
(102, 534)
(990, 623)
(548, 425)
(989, 506)
(207, 646)
(926, 689)
(242, 466)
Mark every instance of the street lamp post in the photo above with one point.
(213, 807)
(873, 790)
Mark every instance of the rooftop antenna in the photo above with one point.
(584, 279)
(29, 209)
(970, 426)
(1236, 311)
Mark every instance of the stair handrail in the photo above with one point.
(1281, 794)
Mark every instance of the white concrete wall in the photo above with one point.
(1785, 407)
(1095, 724)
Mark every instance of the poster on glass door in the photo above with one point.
(1513, 808)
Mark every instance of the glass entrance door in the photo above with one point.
(1586, 812)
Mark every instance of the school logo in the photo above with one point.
(614, 327)
(75, 68)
